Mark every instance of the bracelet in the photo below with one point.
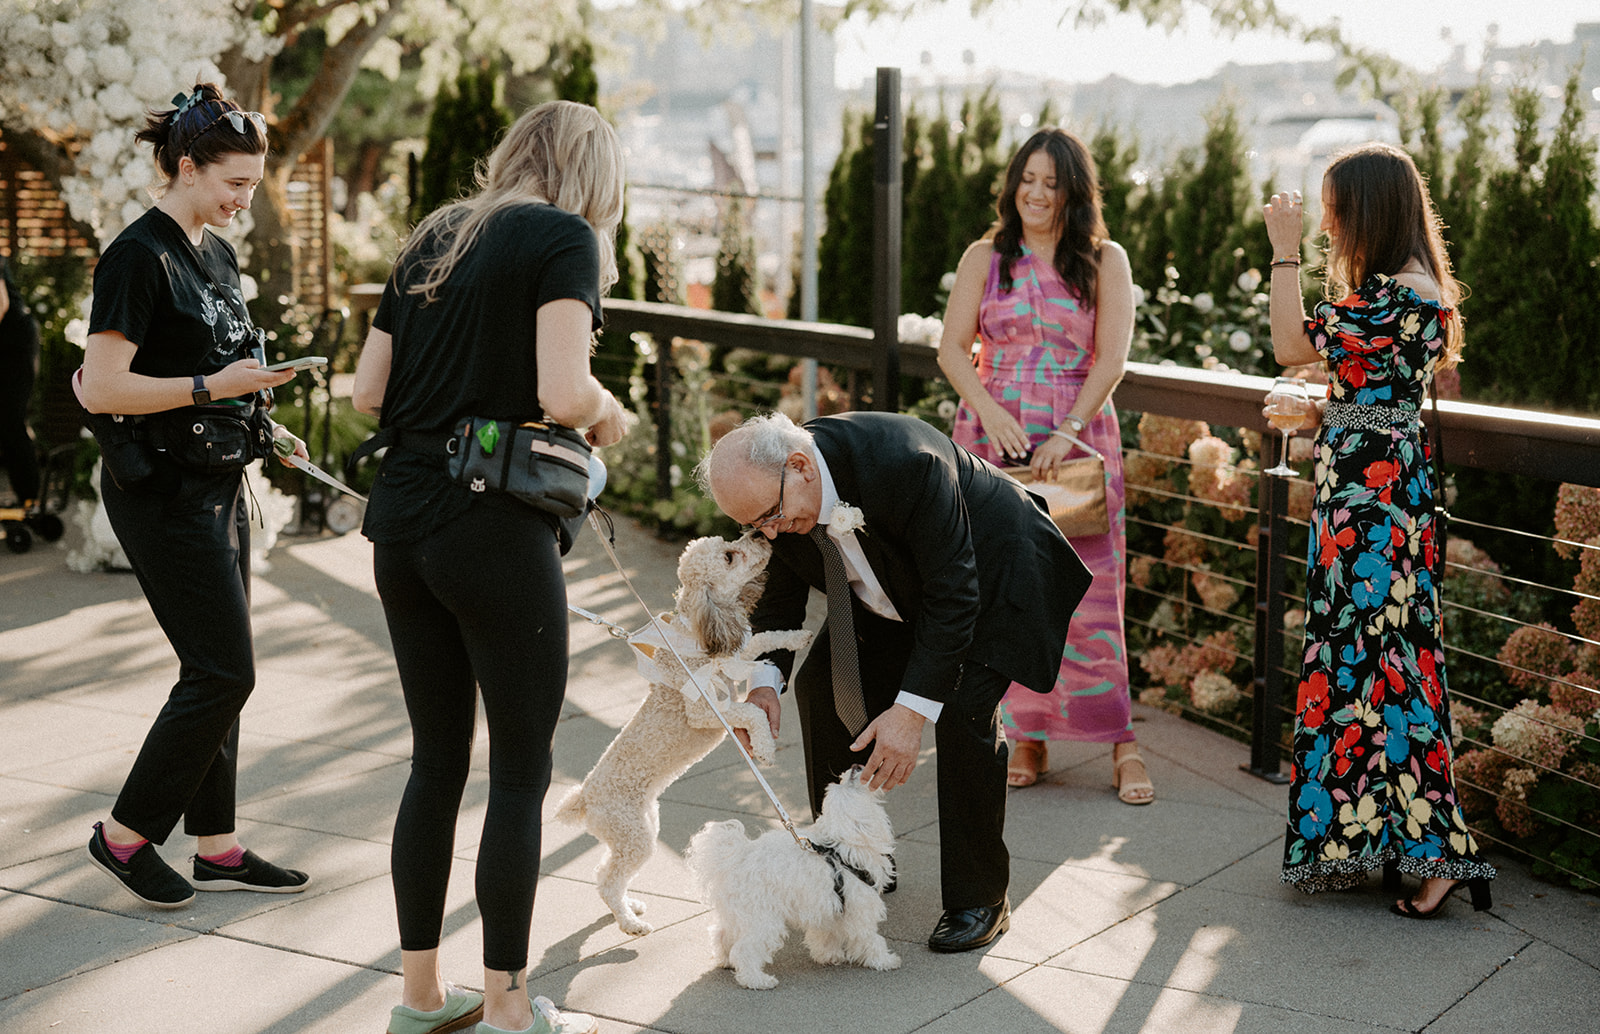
(1285, 262)
(1077, 423)
(1064, 436)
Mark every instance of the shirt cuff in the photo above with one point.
(766, 675)
(928, 709)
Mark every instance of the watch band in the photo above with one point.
(1077, 423)
(201, 396)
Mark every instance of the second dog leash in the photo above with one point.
(783, 816)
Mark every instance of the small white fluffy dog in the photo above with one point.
(758, 887)
(674, 727)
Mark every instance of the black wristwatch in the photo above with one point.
(201, 396)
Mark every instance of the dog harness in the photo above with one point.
(840, 867)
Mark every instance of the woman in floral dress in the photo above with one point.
(1052, 300)
(1372, 784)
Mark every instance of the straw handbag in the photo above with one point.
(1075, 492)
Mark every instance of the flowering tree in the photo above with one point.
(104, 62)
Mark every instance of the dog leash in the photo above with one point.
(616, 630)
(608, 541)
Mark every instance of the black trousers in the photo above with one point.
(191, 553)
(974, 864)
(479, 605)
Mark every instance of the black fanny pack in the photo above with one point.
(545, 465)
(212, 440)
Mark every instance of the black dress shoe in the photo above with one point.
(962, 929)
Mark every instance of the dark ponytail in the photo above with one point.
(197, 127)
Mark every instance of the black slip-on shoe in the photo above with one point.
(253, 873)
(144, 875)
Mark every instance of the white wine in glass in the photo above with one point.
(1287, 406)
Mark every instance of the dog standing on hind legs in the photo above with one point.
(618, 802)
(757, 888)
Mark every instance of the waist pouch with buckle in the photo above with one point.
(126, 454)
(212, 440)
(545, 465)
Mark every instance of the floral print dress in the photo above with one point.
(1372, 744)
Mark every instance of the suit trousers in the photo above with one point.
(974, 864)
(191, 553)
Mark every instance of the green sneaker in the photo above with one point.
(547, 1019)
(461, 1010)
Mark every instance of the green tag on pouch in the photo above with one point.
(488, 437)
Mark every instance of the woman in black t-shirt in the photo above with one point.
(169, 332)
(489, 312)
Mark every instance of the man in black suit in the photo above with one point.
(960, 584)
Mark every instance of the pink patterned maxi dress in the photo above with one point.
(1037, 347)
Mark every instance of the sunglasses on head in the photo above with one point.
(235, 118)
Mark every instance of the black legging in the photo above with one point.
(480, 599)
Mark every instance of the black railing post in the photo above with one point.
(887, 132)
(1266, 719)
(663, 343)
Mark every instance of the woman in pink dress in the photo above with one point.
(1050, 296)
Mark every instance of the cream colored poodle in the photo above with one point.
(675, 726)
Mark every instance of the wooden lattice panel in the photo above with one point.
(310, 185)
(33, 218)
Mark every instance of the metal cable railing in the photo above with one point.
(1168, 609)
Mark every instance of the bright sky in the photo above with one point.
(1029, 36)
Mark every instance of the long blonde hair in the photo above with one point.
(559, 153)
(1384, 218)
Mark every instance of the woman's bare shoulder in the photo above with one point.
(980, 250)
(1426, 286)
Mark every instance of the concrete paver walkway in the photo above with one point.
(1167, 918)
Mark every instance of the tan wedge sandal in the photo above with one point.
(1029, 759)
(1127, 790)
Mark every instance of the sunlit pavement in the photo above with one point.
(1167, 918)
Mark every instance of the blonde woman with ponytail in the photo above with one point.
(490, 312)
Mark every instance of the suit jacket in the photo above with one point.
(968, 556)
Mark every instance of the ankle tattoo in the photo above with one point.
(515, 977)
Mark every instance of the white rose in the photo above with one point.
(1138, 296)
(1240, 341)
(114, 64)
(1203, 302)
(846, 518)
(1249, 280)
(64, 34)
(76, 61)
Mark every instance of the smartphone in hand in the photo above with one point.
(305, 362)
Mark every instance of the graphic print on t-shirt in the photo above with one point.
(233, 336)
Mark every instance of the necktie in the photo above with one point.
(847, 698)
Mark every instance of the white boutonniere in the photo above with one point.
(845, 517)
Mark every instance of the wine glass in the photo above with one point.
(1287, 405)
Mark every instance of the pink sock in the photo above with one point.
(231, 860)
(122, 852)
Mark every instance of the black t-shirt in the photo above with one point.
(471, 351)
(181, 305)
